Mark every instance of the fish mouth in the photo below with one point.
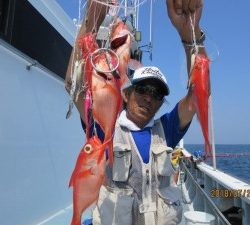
(103, 75)
(119, 41)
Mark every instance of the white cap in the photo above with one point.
(149, 72)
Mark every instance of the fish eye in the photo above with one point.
(88, 148)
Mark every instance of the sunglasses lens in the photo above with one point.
(149, 90)
(140, 89)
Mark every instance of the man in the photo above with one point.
(140, 188)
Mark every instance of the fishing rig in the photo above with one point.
(129, 12)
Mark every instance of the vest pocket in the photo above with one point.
(114, 207)
(122, 162)
(162, 155)
(169, 213)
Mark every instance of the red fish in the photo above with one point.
(121, 43)
(200, 93)
(104, 89)
(107, 101)
(87, 177)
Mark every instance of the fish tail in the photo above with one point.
(108, 144)
(208, 148)
(71, 181)
(101, 156)
(110, 152)
(76, 219)
(72, 178)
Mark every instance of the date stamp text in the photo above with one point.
(227, 193)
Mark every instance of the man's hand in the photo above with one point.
(179, 12)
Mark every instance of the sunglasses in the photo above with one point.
(150, 90)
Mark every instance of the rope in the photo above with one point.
(196, 47)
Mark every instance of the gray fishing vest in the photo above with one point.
(136, 193)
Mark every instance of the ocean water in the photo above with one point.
(234, 163)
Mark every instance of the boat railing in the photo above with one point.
(195, 197)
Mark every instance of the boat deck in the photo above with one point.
(63, 217)
(196, 182)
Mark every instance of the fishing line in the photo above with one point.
(119, 8)
(76, 34)
(150, 29)
(138, 11)
(126, 8)
(192, 23)
(107, 4)
(231, 154)
(150, 20)
(214, 52)
(210, 119)
(75, 55)
(112, 10)
(94, 28)
(211, 133)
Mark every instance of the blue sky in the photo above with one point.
(226, 24)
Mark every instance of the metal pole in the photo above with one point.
(212, 132)
(126, 6)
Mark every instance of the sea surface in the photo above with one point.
(232, 159)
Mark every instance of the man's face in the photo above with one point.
(143, 101)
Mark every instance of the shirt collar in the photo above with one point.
(125, 122)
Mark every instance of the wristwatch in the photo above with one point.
(199, 41)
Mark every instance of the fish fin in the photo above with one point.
(111, 157)
(79, 175)
(69, 112)
(95, 170)
(71, 181)
(85, 173)
(193, 56)
(107, 145)
(119, 40)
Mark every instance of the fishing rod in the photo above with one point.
(198, 154)
(231, 154)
